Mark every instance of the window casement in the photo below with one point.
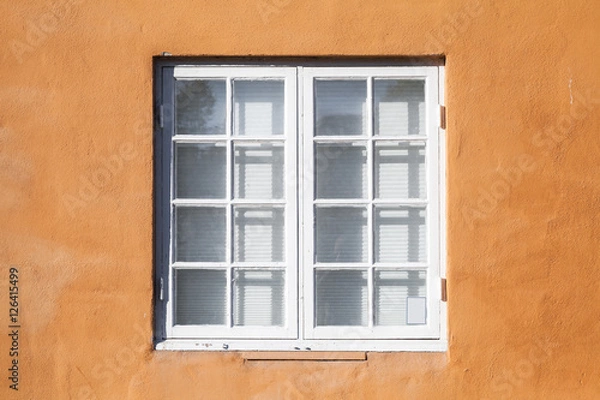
(300, 207)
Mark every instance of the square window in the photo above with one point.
(299, 207)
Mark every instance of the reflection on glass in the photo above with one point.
(341, 234)
(201, 297)
(201, 234)
(259, 234)
(392, 288)
(400, 235)
(340, 107)
(400, 171)
(200, 107)
(399, 107)
(341, 298)
(258, 107)
(258, 298)
(200, 171)
(341, 171)
(258, 171)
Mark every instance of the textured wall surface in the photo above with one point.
(523, 156)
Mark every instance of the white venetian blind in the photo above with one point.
(258, 107)
(399, 107)
(392, 289)
(258, 298)
(400, 235)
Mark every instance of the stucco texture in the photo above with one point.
(523, 194)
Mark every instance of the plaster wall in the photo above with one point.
(523, 179)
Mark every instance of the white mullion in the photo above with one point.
(199, 202)
(221, 265)
(370, 170)
(300, 174)
(221, 138)
(229, 191)
(342, 202)
(404, 266)
(308, 173)
(345, 139)
(259, 204)
(432, 210)
(441, 159)
(401, 203)
(370, 209)
(199, 138)
(290, 203)
(404, 139)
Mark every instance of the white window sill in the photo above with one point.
(307, 346)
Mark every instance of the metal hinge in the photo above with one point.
(442, 117)
(161, 289)
(444, 290)
(161, 112)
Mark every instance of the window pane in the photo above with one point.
(341, 234)
(400, 171)
(341, 171)
(200, 107)
(400, 235)
(259, 234)
(201, 297)
(392, 288)
(201, 171)
(341, 298)
(340, 107)
(399, 107)
(258, 171)
(258, 298)
(201, 234)
(258, 107)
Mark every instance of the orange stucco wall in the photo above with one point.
(523, 158)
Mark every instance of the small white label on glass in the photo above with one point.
(416, 310)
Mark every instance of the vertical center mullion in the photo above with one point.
(229, 191)
(370, 184)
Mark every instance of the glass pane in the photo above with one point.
(341, 171)
(201, 297)
(340, 107)
(258, 171)
(258, 298)
(200, 171)
(399, 107)
(200, 107)
(400, 235)
(341, 298)
(392, 288)
(341, 234)
(258, 108)
(400, 171)
(259, 234)
(201, 234)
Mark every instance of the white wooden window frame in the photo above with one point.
(299, 332)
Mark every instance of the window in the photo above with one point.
(300, 208)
